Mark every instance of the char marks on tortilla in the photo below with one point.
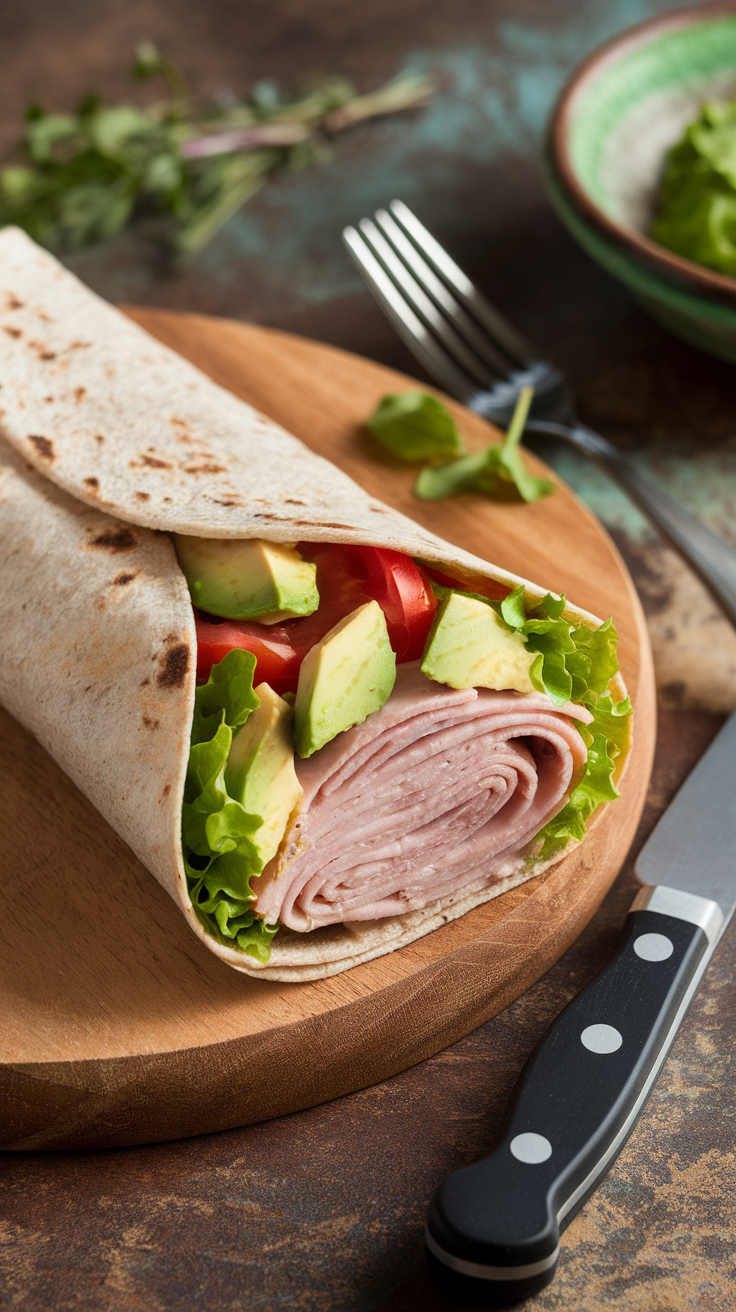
(125, 439)
(128, 426)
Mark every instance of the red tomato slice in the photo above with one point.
(347, 577)
(277, 663)
(341, 586)
(405, 596)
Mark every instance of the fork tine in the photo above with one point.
(467, 327)
(421, 303)
(499, 328)
(408, 325)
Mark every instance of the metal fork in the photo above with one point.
(477, 356)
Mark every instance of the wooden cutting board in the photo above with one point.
(119, 1027)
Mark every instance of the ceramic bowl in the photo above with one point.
(614, 123)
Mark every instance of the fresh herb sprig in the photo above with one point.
(416, 426)
(498, 470)
(83, 177)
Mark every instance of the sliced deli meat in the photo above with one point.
(112, 446)
(433, 796)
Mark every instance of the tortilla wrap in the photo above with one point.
(110, 437)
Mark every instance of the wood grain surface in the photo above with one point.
(119, 1027)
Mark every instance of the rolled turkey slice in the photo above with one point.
(430, 797)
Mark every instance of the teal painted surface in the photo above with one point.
(704, 486)
(491, 103)
(491, 108)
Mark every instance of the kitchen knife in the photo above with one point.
(493, 1228)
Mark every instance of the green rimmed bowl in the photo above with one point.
(609, 136)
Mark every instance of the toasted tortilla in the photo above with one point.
(108, 437)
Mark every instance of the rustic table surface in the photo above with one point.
(324, 1210)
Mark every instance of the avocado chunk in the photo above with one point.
(247, 578)
(260, 770)
(343, 678)
(470, 646)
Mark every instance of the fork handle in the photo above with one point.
(712, 559)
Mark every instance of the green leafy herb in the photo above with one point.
(577, 664)
(85, 176)
(697, 212)
(610, 718)
(595, 787)
(220, 856)
(415, 426)
(498, 472)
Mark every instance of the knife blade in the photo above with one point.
(493, 1228)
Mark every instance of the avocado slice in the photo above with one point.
(247, 578)
(260, 770)
(343, 678)
(470, 646)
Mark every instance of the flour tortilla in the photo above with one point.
(110, 437)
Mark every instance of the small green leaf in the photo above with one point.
(45, 131)
(513, 608)
(613, 720)
(596, 786)
(498, 472)
(18, 184)
(549, 608)
(163, 174)
(256, 940)
(505, 462)
(415, 426)
(110, 129)
(600, 646)
(266, 94)
(448, 480)
(228, 695)
(148, 60)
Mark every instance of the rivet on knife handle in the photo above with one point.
(496, 1224)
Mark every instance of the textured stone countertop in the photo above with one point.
(324, 1210)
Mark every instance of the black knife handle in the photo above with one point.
(493, 1228)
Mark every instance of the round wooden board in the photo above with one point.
(118, 1026)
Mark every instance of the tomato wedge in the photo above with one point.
(277, 663)
(347, 577)
(405, 596)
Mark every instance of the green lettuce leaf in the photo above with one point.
(498, 472)
(228, 695)
(605, 738)
(596, 786)
(577, 664)
(598, 647)
(612, 720)
(415, 426)
(220, 857)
